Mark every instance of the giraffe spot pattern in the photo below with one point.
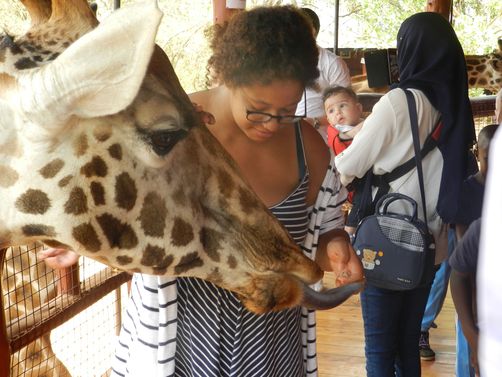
(96, 168)
(31, 230)
(52, 168)
(77, 202)
(64, 181)
(211, 242)
(80, 145)
(153, 215)
(179, 196)
(123, 260)
(188, 262)
(98, 193)
(115, 151)
(86, 235)
(154, 256)
(125, 191)
(181, 233)
(225, 183)
(25, 63)
(34, 202)
(8, 176)
(231, 262)
(118, 234)
(56, 244)
(102, 132)
(247, 201)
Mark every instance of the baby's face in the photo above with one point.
(342, 109)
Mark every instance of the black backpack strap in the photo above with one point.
(412, 107)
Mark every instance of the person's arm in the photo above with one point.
(462, 286)
(335, 253)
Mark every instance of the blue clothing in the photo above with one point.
(470, 201)
(392, 330)
(439, 287)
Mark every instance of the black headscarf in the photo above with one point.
(431, 59)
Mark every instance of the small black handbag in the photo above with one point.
(397, 251)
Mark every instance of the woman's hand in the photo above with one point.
(58, 258)
(343, 260)
(205, 117)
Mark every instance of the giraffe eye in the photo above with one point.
(163, 141)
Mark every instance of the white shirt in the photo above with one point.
(489, 279)
(385, 142)
(333, 71)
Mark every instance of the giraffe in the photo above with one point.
(485, 71)
(101, 152)
(28, 284)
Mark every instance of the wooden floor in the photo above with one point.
(340, 342)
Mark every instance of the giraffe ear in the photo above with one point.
(98, 75)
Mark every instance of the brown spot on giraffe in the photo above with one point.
(64, 181)
(211, 240)
(102, 132)
(25, 63)
(125, 191)
(247, 202)
(154, 256)
(179, 196)
(225, 183)
(56, 244)
(182, 232)
(8, 176)
(124, 259)
(80, 145)
(98, 193)
(77, 202)
(32, 230)
(188, 262)
(115, 151)
(153, 215)
(35, 202)
(86, 235)
(231, 262)
(52, 168)
(11, 147)
(118, 234)
(96, 168)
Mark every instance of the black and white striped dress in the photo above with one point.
(190, 327)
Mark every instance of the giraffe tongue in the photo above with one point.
(330, 298)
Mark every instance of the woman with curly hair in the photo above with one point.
(263, 60)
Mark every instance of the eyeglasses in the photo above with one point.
(260, 117)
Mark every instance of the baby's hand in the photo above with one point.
(345, 264)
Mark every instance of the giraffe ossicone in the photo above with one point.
(101, 152)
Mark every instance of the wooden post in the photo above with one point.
(4, 337)
(443, 7)
(223, 10)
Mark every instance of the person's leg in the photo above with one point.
(435, 300)
(408, 362)
(381, 309)
(463, 363)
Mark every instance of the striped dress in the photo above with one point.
(190, 327)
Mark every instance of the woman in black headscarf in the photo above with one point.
(432, 66)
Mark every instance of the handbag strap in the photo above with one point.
(412, 107)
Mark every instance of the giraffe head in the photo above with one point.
(101, 152)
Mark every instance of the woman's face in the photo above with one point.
(279, 99)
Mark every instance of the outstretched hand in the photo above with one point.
(344, 262)
(58, 258)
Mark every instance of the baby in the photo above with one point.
(344, 113)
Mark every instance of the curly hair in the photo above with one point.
(261, 45)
